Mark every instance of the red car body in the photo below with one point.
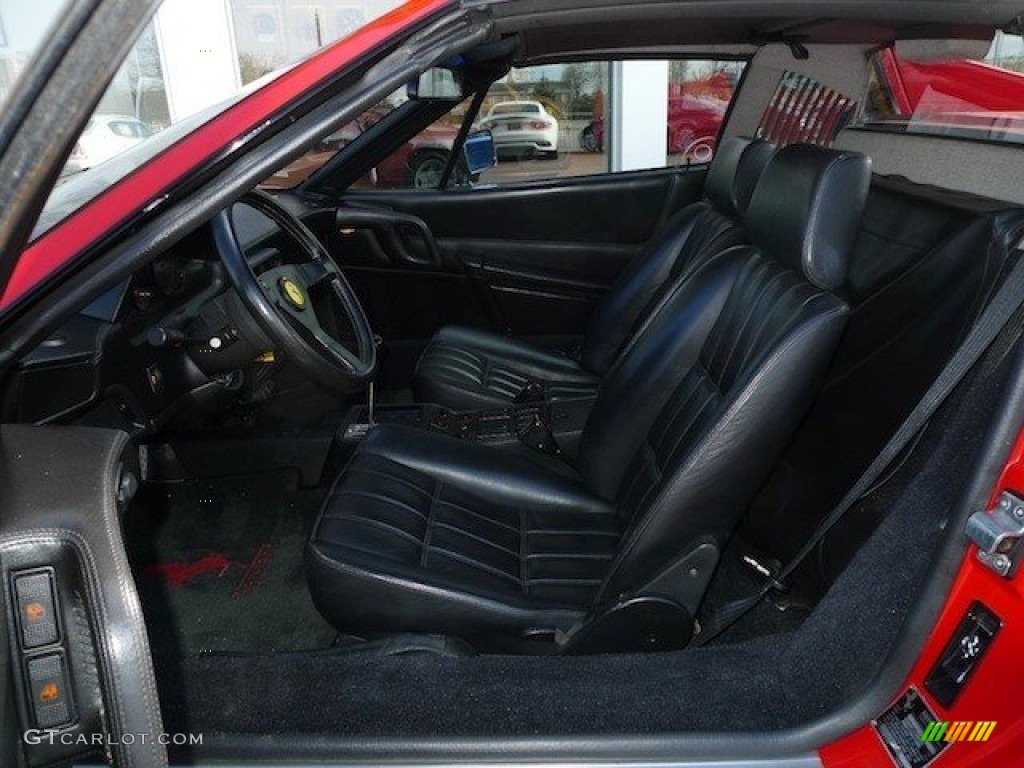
(996, 686)
(962, 94)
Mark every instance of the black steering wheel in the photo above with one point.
(280, 298)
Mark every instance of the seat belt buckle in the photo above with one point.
(999, 533)
(770, 574)
(536, 432)
(531, 393)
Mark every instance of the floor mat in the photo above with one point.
(218, 563)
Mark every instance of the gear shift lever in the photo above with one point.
(358, 430)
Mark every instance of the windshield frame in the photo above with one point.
(49, 107)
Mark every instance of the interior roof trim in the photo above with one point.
(738, 51)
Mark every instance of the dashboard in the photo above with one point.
(173, 339)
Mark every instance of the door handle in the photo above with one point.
(395, 230)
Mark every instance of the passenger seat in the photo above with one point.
(422, 532)
(467, 369)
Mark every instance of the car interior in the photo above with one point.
(506, 461)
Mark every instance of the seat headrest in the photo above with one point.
(734, 172)
(806, 209)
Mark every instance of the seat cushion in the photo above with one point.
(466, 369)
(458, 541)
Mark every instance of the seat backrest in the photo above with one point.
(693, 234)
(925, 264)
(688, 423)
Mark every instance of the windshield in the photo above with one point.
(193, 61)
(24, 27)
(316, 157)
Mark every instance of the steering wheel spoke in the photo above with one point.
(336, 348)
(317, 272)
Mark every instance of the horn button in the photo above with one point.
(293, 293)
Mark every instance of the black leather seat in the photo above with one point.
(425, 533)
(468, 369)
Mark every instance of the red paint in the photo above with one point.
(995, 692)
(126, 198)
(180, 574)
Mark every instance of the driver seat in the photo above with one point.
(425, 533)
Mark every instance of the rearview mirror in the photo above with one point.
(436, 84)
(479, 152)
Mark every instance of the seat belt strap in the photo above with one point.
(1008, 299)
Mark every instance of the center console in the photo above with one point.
(562, 420)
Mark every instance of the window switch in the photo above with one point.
(48, 685)
(37, 609)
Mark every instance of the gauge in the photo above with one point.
(169, 276)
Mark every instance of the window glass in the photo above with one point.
(547, 121)
(961, 98)
(300, 170)
(699, 95)
(270, 34)
(24, 26)
(421, 162)
(554, 121)
(193, 61)
(128, 129)
(418, 164)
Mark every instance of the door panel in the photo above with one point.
(530, 259)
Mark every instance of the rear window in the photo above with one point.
(128, 130)
(959, 98)
(516, 109)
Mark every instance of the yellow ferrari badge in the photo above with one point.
(292, 291)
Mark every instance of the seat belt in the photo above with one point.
(1008, 299)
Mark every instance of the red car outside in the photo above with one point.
(960, 96)
(419, 163)
(693, 126)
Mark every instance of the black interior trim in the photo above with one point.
(61, 493)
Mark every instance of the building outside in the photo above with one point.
(218, 45)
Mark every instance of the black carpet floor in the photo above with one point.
(219, 565)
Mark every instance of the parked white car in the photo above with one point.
(522, 128)
(104, 137)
